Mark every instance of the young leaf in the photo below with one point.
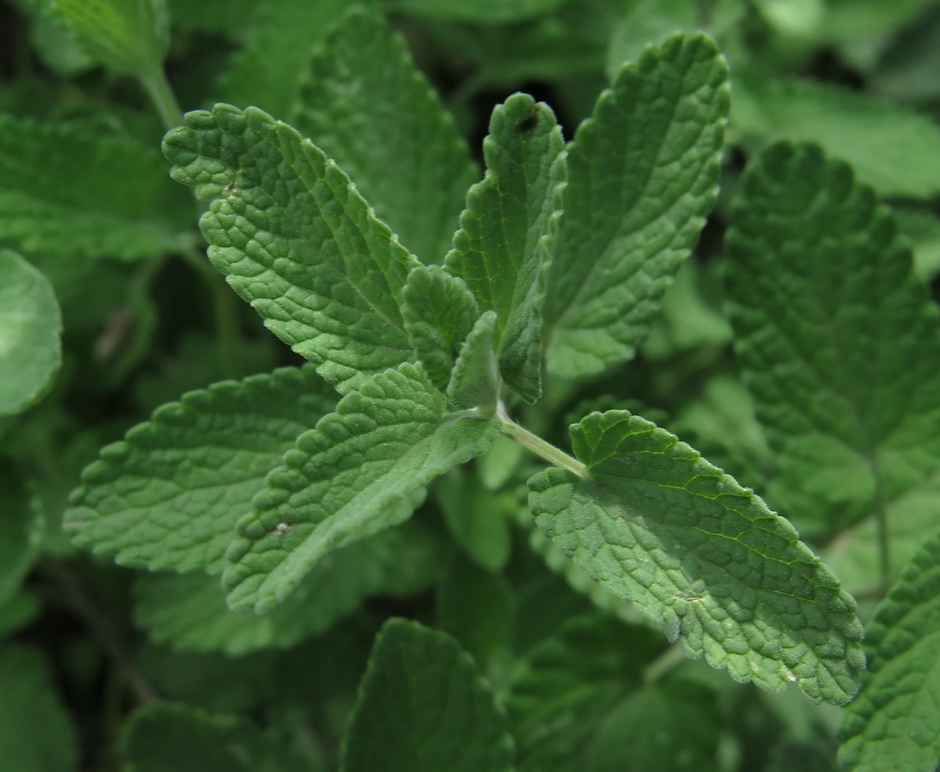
(656, 524)
(439, 312)
(503, 247)
(30, 332)
(169, 494)
(423, 707)
(296, 240)
(64, 192)
(893, 723)
(474, 382)
(642, 174)
(837, 339)
(362, 469)
(390, 133)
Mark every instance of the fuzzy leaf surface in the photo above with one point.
(656, 524)
(474, 382)
(839, 342)
(71, 193)
(423, 707)
(642, 175)
(168, 496)
(362, 469)
(296, 240)
(30, 333)
(369, 107)
(439, 312)
(894, 723)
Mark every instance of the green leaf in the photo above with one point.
(838, 341)
(268, 70)
(362, 469)
(892, 724)
(30, 333)
(474, 382)
(704, 558)
(230, 16)
(296, 240)
(892, 148)
(20, 529)
(129, 36)
(168, 496)
(439, 312)
(423, 707)
(477, 518)
(366, 104)
(482, 11)
(503, 247)
(63, 192)
(35, 732)
(642, 174)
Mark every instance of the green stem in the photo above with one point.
(540, 447)
(164, 100)
(662, 664)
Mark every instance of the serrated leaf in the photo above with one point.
(296, 240)
(474, 381)
(893, 724)
(269, 69)
(423, 707)
(837, 339)
(481, 11)
(892, 148)
(168, 496)
(642, 174)
(656, 524)
(30, 333)
(68, 193)
(36, 734)
(362, 469)
(368, 106)
(503, 247)
(439, 312)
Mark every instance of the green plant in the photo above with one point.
(562, 592)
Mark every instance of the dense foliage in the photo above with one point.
(542, 385)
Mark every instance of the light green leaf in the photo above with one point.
(362, 469)
(129, 36)
(892, 148)
(66, 193)
(30, 333)
(481, 11)
(35, 732)
(268, 70)
(296, 240)
(439, 312)
(423, 707)
(656, 524)
(474, 382)
(503, 247)
(168, 496)
(642, 174)
(369, 108)
(837, 339)
(893, 723)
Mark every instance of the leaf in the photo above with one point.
(892, 724)
(30, 333)
(20, 529)
(268, 70)
(168, 496)
(481, 11)
(362, 469)
(366, 104)
(36, 734)
(503, 247)
(439, 312)
(837, 340)
(295, 239)
(234, 17)
(654, 523)
(423, 707)
(477, 518)
(63, 192)
(642, 174)
(892, 148)
(474, 382)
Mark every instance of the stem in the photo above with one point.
(662, 664)
(164, 100)
(540, 447)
